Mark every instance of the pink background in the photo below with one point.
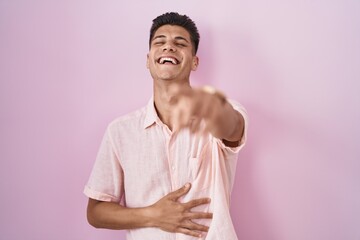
(67, 68)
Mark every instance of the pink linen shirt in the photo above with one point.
(140, 161)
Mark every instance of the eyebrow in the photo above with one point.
(176, 38)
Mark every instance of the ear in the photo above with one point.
(195, 63)
(147, 61)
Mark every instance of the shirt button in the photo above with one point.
(173, 167)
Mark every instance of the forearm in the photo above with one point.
(114, 216)
(229, 124)
(166, 214)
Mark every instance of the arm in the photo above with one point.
(226, 123)
(167, 214)
(114, 216)
(208, 105)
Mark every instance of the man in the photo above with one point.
(166, 171)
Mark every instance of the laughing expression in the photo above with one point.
(171, 55)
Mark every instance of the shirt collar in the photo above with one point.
(151, 115)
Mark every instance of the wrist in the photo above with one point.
(149, 214)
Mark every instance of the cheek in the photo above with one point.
(150, 60)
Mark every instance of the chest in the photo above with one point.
(156, 163)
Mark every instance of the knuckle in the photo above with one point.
(180, 208)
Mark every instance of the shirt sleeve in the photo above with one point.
(234, 150)
(106, 179)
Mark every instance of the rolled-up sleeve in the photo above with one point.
(106, 179)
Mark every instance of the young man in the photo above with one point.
(166, 171)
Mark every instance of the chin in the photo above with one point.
(167, 77)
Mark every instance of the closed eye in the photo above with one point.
(181, 44)
(158, 43)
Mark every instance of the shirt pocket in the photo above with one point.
(201, 172)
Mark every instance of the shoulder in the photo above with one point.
(132, 120)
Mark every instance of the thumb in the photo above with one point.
(180, 192)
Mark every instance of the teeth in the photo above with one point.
(164, 59)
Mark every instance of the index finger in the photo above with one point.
(180, 192)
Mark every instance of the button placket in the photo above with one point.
(171, 163)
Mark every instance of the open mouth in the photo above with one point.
(168, 60)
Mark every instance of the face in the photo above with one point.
(171, 54)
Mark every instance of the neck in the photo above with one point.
(163, 94)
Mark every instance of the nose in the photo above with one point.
(169, 47)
